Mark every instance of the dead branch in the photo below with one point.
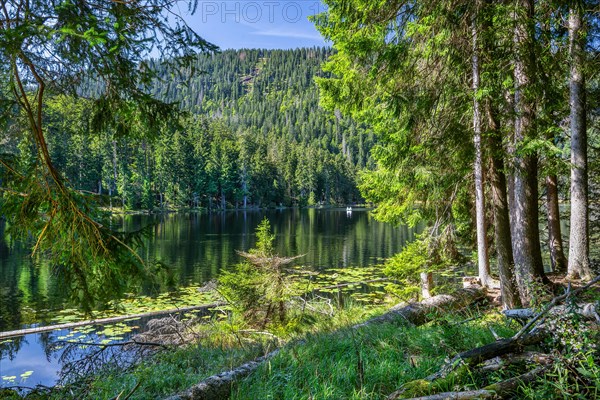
(130, 393)
(218, 387)
(128, 343)
(553, 303)
(586, 310)
(496, 390)
(421, 312)
(528, 357)
(498, 348)
(272, 262)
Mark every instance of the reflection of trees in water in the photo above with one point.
(82, 361)
(201, 244)
(10, 348)
(48, 342)
(24, 282)
(192, 248)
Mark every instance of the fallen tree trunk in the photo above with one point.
(528, 357)
(586, 310)
(102, 321)
(218, 387)
(424, 311)
(471, 358)
(496, 390)
(498, 348)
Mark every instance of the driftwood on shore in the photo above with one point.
(423, 311)
(218, 387)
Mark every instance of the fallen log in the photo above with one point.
(102, 321)
(342, 285)
(218, 387)
(586, 310)
(497, 390)
(471, 358)
(570, 293)
(528, 357)
(424, 311)
(480, 354)
(529, 334)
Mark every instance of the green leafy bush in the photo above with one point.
(428, 253)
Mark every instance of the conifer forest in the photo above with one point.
(412, 208)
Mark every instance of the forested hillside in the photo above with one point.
(254, 135)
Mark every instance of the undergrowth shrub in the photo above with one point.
(259, 288)
(428, 253)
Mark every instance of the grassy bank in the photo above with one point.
(323, 356)
(334, 361)
(367, 363)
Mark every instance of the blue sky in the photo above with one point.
(270, 24)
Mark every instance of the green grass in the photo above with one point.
(336, 361)
(164, 374)
(224, 347)
(327, 365)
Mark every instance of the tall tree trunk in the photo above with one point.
(502, 228)
(579, 235)
(223, 202)
(555, 243)
(510, 166)
(526, 239)
(557, 255)
(482, 245)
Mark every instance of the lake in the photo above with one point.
(195, 247)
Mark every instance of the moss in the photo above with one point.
(418, 387)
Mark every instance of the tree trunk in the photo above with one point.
(498, 348)
(114, 165)
(426, 284)
(502, 228)
(498, 390)
(424, 311)
(510, 166)
(218, 387)
(526, 240)
(583, 310)
(103, 321)
(557, 255)
(482, 245)
(223, 202)
(579, 235)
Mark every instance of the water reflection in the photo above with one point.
(194, 247)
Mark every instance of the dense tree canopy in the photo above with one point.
(451, 84)
(50, 48)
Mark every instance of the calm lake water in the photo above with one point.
(195, 247)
